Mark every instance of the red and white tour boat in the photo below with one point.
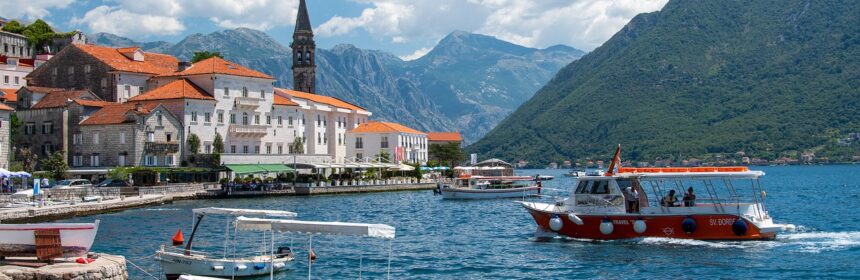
(727, 203)
(19, 240)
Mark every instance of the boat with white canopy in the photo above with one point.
(176, 262)
(319, 228)
(490, 187)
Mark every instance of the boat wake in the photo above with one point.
(816, 242)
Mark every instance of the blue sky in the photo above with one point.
(407, 28)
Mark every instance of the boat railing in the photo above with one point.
(217, 253)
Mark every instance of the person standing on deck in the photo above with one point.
(689, 198)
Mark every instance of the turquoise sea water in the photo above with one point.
(439, 239)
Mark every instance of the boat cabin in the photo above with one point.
(717, 190)
(493, 182)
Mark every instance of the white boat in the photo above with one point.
(177, 262)
(19, 240)
(195, 277)
(313, 227)
(576, 172)
(490, 187)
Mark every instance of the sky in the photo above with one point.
(407, 28)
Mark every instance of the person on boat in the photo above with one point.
(689, 198)
(669, 200)
(632, 200)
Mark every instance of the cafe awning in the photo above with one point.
(258, 168)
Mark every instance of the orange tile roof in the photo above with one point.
(42, 89)
(57, 99)
(217, 65)
(5, 107)
(115, 113)
(320, 99)
(9, 94)
(153, 63)
(92, 103)
(384, 127)
(179, 89)
(444, 136)
(280, 100)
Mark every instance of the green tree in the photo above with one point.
(14, 27)
(193, 144)
(383, 156)
(203, 55)
(298, 146)
(14, 126)
(38, 33)
(447, 154)
(217, 149)
(56, 165)
(119, 173)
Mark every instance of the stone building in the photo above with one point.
(15, 45)
(5, 135)
(114, 75)
(403, 144)
(128, 134)
(304, 50)
(47, 125)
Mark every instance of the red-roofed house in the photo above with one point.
(403, 144)
(13, 71)
(128, 134)
(112, 74)
(444, 137)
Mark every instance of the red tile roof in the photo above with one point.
(43, 89)
(375, 127)
(9, 94)
(444, 136)
(328, 100)
(280, 100)
(179, 89)
(92, 103)
(116, 113)
(217, 65)
(57, 99)
(5, 107)
(153, 63)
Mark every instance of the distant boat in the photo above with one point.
(576, 172)
(19, 240)
(490, 187)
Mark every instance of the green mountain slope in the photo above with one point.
(770, 78)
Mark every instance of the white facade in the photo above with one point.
(128, 85)
(12, 74)
(401, 147)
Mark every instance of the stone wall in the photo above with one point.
(56, 73)
(5, 143)
(106, 267)
(15, 45)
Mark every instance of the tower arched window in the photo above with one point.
(245, 118)
(298, 57)
(308, 57)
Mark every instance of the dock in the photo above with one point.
(108, 267)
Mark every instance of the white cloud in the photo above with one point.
(416, 55)
(124, 23)
(30, 9)
(584, 24)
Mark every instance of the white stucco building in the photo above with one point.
(403, 144)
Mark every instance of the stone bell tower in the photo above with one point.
(304, 63)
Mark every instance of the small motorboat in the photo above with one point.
(19, 240)
(576, 172)
(490, 187)
(176, 262)
(641, 202)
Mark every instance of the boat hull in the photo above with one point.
(176, 264)
(463, 193)
(707, 226)
(19, 240)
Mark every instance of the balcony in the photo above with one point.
(248, 130)
(160, 147)
(248, 102)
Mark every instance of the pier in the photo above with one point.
(107, 267)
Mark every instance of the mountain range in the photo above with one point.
(467, 83)
(708, 79)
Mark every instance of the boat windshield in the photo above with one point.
(693, 192)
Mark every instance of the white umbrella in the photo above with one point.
(5, 173)
(21, 174)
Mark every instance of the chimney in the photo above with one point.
(183, 65)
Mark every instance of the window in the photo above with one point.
(87, 68)
(120, 160)
(208, 149)
(268, 119)
(245, 149)
(95, 138)
(193, 116)
(262, 94)
(47, 149)
(71, 70)
(245, 118)
(290, 120)
(384, 143)
(319, 120)
(169, 137)
(94, 160)
(280, 120)
(206, 117)
(6, 79)
(139, 90)
(150, 136)
(280, 149)
(358, 143)
(30, 128)
(232, 149)
(47, 127)
(127, 91)
(17, 80)
(256, 149)
(359, 155)
(339, 139)
(150, 160)
(319, 138)
(77, 138)
(244, 91)
(220, 117)
(168, 160)
(226, 92)
(232, 118)
(77, 160)
(256, 119)
(159, 120)
(307, 57)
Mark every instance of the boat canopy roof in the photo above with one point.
(239, 212)
(313, 227)
(501, 178)
(732, 172)
(479, 168)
